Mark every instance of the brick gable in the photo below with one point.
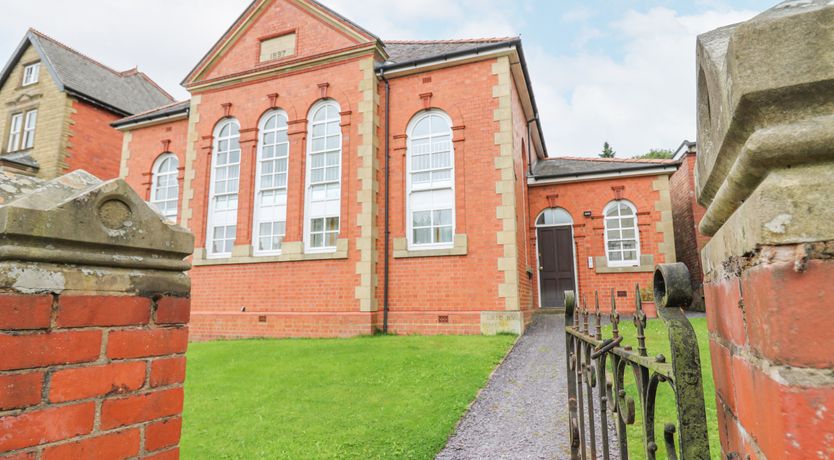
(317, 32)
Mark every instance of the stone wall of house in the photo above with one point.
(765, 172)
(94, 307)
(52, 105)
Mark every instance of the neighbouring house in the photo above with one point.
(339, 184)
(56, 106)
(686, 213)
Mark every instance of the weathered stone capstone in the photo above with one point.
(765, 171)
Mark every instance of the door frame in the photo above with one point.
(538, 257)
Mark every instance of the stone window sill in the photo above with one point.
(459, 248)
(646, 265)
(290, 252)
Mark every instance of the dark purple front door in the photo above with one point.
(556, 274)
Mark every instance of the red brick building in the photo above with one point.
(338, 184)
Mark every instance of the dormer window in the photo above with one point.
(279, 47)
(31, 73)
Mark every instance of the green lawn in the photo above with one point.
(367, 397)
(657, 341)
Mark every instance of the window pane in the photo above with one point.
(630, 255)
(316, 240)
(422, 219)
(317, 225)
(614, 245)
(332, 224)
(625, 210)
(422, 236)
(330, 239)
(627, 222)
(421, 129)
(628, 233)
(612, 223)
(615, 257)
(444, 235)
(443, 217)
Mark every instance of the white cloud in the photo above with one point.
(638, 101)
(642, 99)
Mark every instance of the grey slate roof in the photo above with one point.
(126, 92)
(407, 51)
(576, 166)
(166, 110)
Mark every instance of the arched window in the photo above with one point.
(554, 216)
(223, 190)
(622, 239)
(324, 172)
(164, 185)
(270, 213)
(430, 181)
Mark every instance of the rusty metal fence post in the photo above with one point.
(598, 363)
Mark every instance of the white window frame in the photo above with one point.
(410, 188)
(320, 105)
(258, 212)
(155, 176)
(15, 132)
(621, 263)
(211, 211)
(30, 121)
(31, 74)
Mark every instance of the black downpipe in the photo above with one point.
(530, 145)
(387, 229)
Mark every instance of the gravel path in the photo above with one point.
(522, 411)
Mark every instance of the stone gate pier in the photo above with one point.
(94, 306)
(766, 172)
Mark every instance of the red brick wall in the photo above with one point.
(146, 145)
(770, 342)
(93, 144)
(421, 289)
(593, 196)
(291, 288)
(686, 214)
(91, 376)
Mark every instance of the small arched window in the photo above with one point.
(622, 238)
(270, 213)
(430, 182)
(324, 174)
(554, 216)
(223, 189)
(164, 185)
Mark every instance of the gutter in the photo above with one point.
(622, 172)
(151, 119)
(96, 102)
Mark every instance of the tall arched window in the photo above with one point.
(164, 185)
(270, 213)
(622, 238)
(430, 182)
(223, 190)
(324, 172)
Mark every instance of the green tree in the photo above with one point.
(607, 151)
(657, 154)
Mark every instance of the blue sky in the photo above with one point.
(602, 70)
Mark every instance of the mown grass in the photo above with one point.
(367, 397)
(657, 342)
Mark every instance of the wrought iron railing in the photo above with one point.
(597, 369)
